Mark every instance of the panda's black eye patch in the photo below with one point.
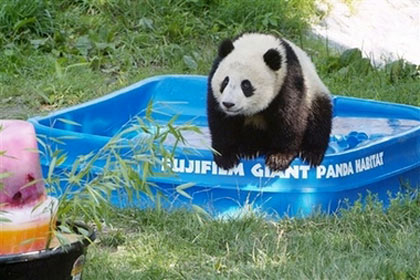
(224, 84)
(247, 88)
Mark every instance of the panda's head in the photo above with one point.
(249, 75)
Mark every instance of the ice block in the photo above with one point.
(20, 170)
(27, 216)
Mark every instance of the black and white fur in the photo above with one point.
(265, 98)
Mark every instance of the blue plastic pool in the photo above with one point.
(374, 147)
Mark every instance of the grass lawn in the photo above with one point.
(360, 244)
(58, 53)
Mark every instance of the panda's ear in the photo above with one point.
(225, 48)
(273, 59)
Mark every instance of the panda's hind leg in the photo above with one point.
(318, 129)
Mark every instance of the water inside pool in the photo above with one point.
(351, 132)
(347, 133)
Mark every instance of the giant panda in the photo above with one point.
(266, 99)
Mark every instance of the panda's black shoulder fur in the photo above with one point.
(294, 71)
(292, 130)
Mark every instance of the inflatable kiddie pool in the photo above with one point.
(374, 148)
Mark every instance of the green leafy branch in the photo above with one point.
(126, 164)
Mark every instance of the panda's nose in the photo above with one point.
(228, 104)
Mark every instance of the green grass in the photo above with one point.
(58, 53)
(359, 244)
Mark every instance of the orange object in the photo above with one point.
(18, 240)
(28, 228)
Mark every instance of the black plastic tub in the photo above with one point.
(55, 264)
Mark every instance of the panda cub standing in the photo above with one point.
(266, 99)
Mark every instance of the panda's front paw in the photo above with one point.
(226, 162)
(279, 161)
(313, 158)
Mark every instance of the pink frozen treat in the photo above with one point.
(19, 160)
